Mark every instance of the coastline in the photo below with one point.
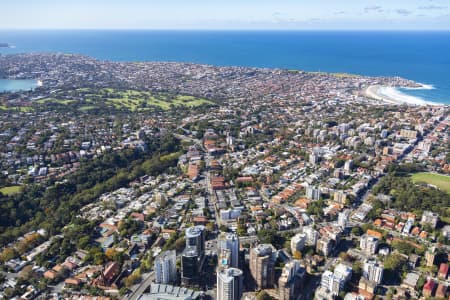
(394, 96)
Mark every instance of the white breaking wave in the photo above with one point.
(394, 94)
(422, 86)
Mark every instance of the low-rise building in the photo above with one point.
(443, 271)
(430, 218)
(428, 288)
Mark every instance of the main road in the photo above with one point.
(140, 289)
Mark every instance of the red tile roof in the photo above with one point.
(429, 285)
(443, 269)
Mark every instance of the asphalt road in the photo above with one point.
(9, 275)
(143, 285)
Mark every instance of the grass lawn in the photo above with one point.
(140, 101)
(10, 190)
(345, 75)
(131, 100)
(25, 109)
(190, 101)
(53, 100)
(441, 181)
(83, 89)
(16, 108)
(88, 107)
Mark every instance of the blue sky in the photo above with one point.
(226, 14)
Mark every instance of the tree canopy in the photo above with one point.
(408, 196)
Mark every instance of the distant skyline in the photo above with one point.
(229, 14)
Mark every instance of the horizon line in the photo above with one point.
(233, 29)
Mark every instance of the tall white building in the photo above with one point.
(368, 244)
(313, 193)
(313, 159)
(331, 282)
(343, 271)
(343, 218)
(229, 251)
(229, 139)
(373, 270)
(166, 268)
(335, 281)
(229, 284)
(312, 235)
(325, 245)
(348, 165)
(298, 242)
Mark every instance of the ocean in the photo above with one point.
(421, 56)
(17, 85)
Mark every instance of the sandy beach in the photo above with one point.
(394, 96)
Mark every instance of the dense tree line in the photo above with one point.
(78, 234)
(394, 265)
(271, 236)
(407, 248)
(406, 169)
(53, 206)
(413, 197)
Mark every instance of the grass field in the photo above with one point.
(132, 100)
(16, 108)
(345, 75)
(53, 100)
(10, 190)
(87, 107)
(441, 181)
(141, 101)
